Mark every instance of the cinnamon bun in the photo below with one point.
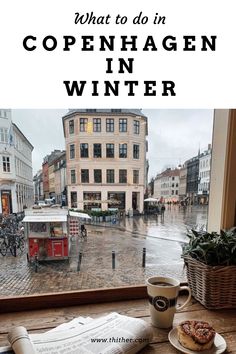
(196, 335)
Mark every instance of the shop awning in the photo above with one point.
(79, 215)
(45, 218)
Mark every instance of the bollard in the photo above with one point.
(144, 258)
(113, 260)
(79, 261)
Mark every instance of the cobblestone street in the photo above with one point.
(162, 240)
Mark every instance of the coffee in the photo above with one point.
(161, 283)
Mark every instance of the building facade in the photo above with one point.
(106, 158)
(204, 176)
(60, 178)
(183, 182)
(16, 176)
(38, 185)
(48, 173)
(192, 179)
(166, 186)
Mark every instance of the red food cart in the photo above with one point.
(46, 230)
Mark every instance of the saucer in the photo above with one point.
(219, 345)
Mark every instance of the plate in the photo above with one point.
(218, 347)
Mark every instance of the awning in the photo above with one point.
(79, 215)
(45, 218)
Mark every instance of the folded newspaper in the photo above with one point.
(113, 334)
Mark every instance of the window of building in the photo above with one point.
(136, 127)
(117, 200)
(173, 178)
(6, 164)
(176, 192)
(123, 150)
(71, 126)
(123, 125)
(172, 192)
(84, 150)
(97, 176)
(3, 135)
(73, 198)
(92, 196)
(84, 176)
(72, 151)
(122, 176)
(135, 176)
(72, 176)
(97, 150)
(96, 124)
(83, 123)
(136, 151)
(110, 150)
(110, 176)
(116, 110)
(110, 125)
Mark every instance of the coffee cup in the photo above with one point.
(162, 294)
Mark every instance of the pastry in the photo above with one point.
(196, 335)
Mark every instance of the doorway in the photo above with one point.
(6, 202)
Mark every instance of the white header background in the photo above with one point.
(35, 79)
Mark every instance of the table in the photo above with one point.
(224, 321)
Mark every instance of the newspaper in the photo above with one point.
(113, 334)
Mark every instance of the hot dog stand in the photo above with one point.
(46, 230)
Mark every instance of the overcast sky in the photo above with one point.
(173, 135)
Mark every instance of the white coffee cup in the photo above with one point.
(162, 294)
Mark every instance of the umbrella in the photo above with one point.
(150, 200)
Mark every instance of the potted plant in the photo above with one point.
(210, 259)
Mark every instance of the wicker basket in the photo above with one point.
(214, 287)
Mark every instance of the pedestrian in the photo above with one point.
(163, 208)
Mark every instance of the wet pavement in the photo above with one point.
(162, 240)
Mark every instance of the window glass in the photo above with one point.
(97, 176)
(123, 125)
(123, 150)
(135, 176)
(110, 125)
(84, 150)
(110, 150)
(6, 164)
(3, 135)
(136, 127)
(110, 176)
(72, 176)
(96, 124)
(84, 176)
(72, 151)
(136, 151)
(73, 198)
(97, 150)
(122, 176)
(71, 126)
(83, 123)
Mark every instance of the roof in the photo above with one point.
(45, 218)
(19, 131)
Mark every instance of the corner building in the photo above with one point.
(106, 158)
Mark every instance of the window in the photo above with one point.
(72, 151)
(123, 150)
(176, 192)
(83, 123)
(135, 176)
(71, 126)
(110, 125)
(110, 150)
(73, 198)
(97, 176)
(110, 176)
(136, 151)
(97, 150)
(84, 151)
(6, 164)
(72, 177)
(92, 196)
(136, 127)
(3, 135)
(122, 176)
(123, 125)
(84, 176)
(96, 124)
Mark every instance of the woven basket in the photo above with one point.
(213, 286)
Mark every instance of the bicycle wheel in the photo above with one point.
(3, 249)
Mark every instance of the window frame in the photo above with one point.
(83, 125)
(74, 176)
(109, 149)
(123, 148)
(122, 170)
(108, 173)
(71, 127)
(94, 177)
(72, 150)
(6, 161)
(123, 125)
(97, 125)
(82, 297)
(99, 156)
(82, 175)
(110, 125)
(136, 126)
(81, 154)
(136, 151)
